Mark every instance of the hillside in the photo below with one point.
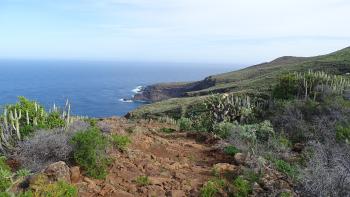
(273, 132)
(257, 78)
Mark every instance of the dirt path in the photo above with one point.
(175, 164)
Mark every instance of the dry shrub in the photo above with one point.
(328, 170)
(47, 146)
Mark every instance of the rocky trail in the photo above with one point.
(175, 164)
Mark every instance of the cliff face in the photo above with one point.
(159, 92)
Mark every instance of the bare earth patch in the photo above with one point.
(173, 164)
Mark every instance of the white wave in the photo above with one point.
(126, 100)
(138, 89)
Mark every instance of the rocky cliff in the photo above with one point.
(159, 92)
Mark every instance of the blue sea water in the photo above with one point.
(94, 88)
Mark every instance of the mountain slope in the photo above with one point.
(257, 78)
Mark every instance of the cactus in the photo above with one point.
(231, 107)
(15, 117)
(312, 83)
(27, 117)
(66, 114)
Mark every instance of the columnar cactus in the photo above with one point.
(313, 83)
(66, 113)
(15, 117)
(27, 117)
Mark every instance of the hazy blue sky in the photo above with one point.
(235, 31)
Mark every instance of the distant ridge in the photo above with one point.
(255, 79)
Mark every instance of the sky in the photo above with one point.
(220, 31)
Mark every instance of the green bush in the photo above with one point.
(264, 131)
(185, 124)
(202, 123)
(211, 187)
(58, 189)
(92, 122)
(5, 175)
(285, 194)
(4, 194)
(223, 129)
(287, 88)
(242, 187)
(285, 168)
(54, 120)
(89, 152)
(143, 180)
(167, 130)
(231, 150)
(343, 133)
(120, 141)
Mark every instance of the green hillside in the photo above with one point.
(254, 79)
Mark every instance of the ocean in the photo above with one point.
(95, 89)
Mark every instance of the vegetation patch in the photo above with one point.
(185, 124)
(231, 150)
(212, 187)
(120, 141)
(90, 152)
(167, 130)
(142, 181)
(57, 189)
(242, 187)
(286, 168)
(343, 133)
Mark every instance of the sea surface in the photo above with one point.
(95, 89)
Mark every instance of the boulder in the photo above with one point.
(75, 174)
(225, 168)
(240, 158)
(58, 171)
(91, 183)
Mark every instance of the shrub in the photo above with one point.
(92, 122)
(291, 119)
(185, 124)
(330, 162)
(5, 194)
(285, 168)
(202, 123)
(287, 88)
(120, 141)
(5, 175)
(252, 176)
(167, 130)
(242, 187)
(43, 148)
(211, 187)
(58, 189)
(105, 126)
(54, 120)
(264, 131)
(343, 134)
(285, 194)
(89, 152)
(231, 150)
(223, 129)
(143, 180)
(3, 164)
